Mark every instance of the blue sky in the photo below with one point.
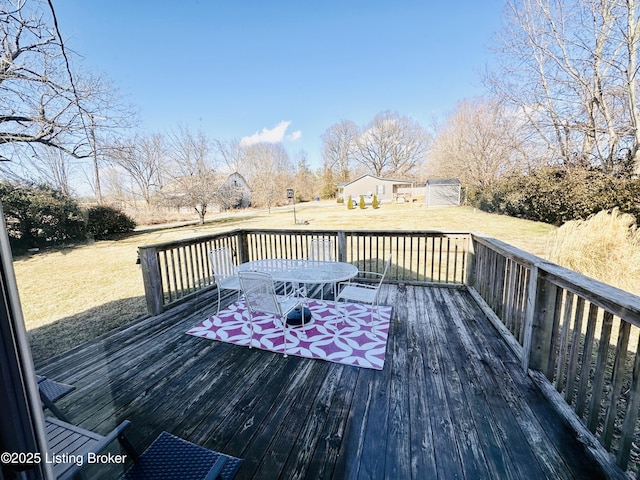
(283, 69)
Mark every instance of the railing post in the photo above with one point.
(539, 321)
(470, 277)
(243, 247)
(151, 279)
(342, 246)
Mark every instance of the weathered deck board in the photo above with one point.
(451, 402)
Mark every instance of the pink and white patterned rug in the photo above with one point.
(356, 341)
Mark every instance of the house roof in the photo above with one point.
(343, 184)
(238, 176)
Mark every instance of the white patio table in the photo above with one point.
(301, 271)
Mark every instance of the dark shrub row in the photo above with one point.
(38, 216)
(557, 195)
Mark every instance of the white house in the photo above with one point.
(386, 189)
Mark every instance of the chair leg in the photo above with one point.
(373, 325)
(340, 312)
(375, 305)
(303, 331)
(284, 334)
(250, 328)
(128, 447)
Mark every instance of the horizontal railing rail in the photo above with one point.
(581, 334)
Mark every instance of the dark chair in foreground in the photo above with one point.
(173, 458)
(52, 391)
(167, 458)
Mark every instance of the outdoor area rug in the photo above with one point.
(352, 342)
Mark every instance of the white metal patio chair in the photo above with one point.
(361, 292)
(260, 296)
(322, 250)
(221, 260)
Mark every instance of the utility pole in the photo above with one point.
(96, 168)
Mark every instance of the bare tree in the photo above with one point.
(231, 153)
(478, 143)
(268, 173)
(194, 177)
(44, 101)
(305, 180)
(116, 185)
(55, 169)
(46, 166)
(571, 69)
(39, 98)
(144, 158)
(338, 143)
(391, 145)
(106, 116)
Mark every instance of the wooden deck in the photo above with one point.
(451, 402)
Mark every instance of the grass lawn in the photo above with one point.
(71, 295)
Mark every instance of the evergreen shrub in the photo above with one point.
(37, 216)
(104, 221)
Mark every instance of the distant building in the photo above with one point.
(238, 185)
(441, 192)
(386, 189)
(224, 191)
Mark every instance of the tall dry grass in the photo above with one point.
(606, 247)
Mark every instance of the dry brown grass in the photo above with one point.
(70, 295)
(605, 247)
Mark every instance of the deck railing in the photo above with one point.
(578, 334)
(173, 271)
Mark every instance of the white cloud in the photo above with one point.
(294, 136)
(275, 135)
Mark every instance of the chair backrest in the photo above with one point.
(321, 249)
(259, 292)
(221, 260)
(386, 269)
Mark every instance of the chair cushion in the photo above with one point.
(358, 293)
(172, 458)
(53, 390)
(231, 282)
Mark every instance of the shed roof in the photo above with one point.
(443, 181)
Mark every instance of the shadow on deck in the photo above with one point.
(451, 402)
